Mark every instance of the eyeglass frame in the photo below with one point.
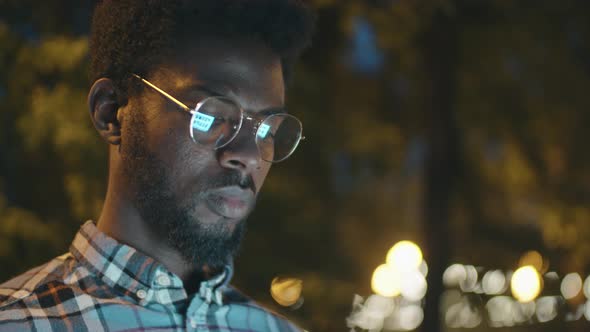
(243, 115)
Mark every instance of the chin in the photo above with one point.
(233, 223)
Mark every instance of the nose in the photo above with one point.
(241, 153)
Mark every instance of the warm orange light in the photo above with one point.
(532, 258)
(286, 291)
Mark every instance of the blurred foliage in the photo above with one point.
(52, 164)
(356, 185)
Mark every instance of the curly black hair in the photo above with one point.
(133, 36)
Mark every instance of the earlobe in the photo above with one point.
(104, 110)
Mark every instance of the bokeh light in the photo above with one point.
(505, 311)
(410, 317)
(454, 275)
(461, 314)
(547, 308)
(526, 284)
(286, 291)
(500, 310)
(471, 276)
(494, 282)
(587, 287)
(369, 315)
(524, 311)
(587, 310)
(532, 258)
(423, 268)
(461, 303)
(404, 273)
(413, 285)
(386, 281)
(404, 255)
(379, 306)
(552, 275)
(571, 285)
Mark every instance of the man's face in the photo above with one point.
(194, 196)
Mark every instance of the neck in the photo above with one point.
(121, 220)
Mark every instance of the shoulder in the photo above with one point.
(258, 315)
(28, 283)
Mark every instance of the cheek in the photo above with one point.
(188, 163)
(170, 136)
(169, 146)
(260, 176)
(191, 166)
(170, 140)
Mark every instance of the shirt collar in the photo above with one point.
(130, 271)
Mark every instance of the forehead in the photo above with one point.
(248, 72)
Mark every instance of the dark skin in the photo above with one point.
(247, 72)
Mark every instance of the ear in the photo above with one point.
(104, 104)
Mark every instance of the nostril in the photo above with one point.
(236, 163)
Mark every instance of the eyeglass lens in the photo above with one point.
(217, 121)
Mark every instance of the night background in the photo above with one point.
(461, 126)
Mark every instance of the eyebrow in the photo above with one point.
(212, 92)
(271, 111)
(191, 89)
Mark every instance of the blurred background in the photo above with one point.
(460, 126)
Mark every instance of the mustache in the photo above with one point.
(232, 178)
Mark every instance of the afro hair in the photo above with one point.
(133, 36)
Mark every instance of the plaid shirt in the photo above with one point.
(103, 285)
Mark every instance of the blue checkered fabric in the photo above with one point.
(103, 285)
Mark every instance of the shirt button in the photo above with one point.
(163, 280)
(141, 294)
(20, 294)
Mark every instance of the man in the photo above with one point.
(189, 96)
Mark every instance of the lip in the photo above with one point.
(231, 202)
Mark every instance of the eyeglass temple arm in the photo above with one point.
(164, 93)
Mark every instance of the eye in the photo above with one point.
(219, 121)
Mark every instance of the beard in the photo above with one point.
(171, 218)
